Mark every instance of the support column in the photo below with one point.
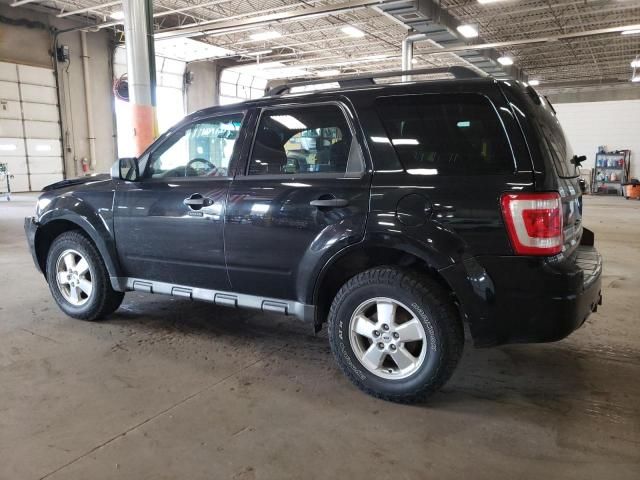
(141, 71)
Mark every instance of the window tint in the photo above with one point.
(446, 134)
(201, 149)
(296, 140)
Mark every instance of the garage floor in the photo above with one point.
(171, 389)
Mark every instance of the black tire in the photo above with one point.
(428, 302)
(103, 300)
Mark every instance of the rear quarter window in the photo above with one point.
(440, 134)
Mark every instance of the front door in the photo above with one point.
(169, 225)
(303, 197)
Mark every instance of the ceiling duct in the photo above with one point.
(428, 21)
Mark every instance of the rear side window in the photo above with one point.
(446, 134)
(305, 139)
(558, 146)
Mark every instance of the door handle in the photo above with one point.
(329, 202)
(197, 201)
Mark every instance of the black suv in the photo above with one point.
(394, 212)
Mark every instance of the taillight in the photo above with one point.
(534, 222)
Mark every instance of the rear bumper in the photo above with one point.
(526, 299)
(30, 227)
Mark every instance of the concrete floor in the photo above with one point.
(170, 389)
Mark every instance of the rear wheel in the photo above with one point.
(78, 278)
(396, 335)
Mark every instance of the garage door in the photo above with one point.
(29, 126)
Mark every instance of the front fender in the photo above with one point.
(94, 215)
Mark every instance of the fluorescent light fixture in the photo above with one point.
(43, 148)
(482, 2)
(534, 83)
(266, 35)
(8, 147)
(328, 73)
(467, 31)
(188, 50)
(379, 139)
(261, 52)
(506, 61)
(289, 121)
(117, 15)
(464, 124)
(635, 63)
(636, 78)
(422, 171)
(633, 31)
(352, 31)
(405, 141)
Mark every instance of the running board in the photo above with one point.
(222, 298)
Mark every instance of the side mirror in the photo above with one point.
(577, 160)
(126, 169)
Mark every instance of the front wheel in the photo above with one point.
(78, 279)
(395, 334)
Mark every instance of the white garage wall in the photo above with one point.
(615, 124)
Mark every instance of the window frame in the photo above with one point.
(496, 112)
(346, 113)
(181, 129)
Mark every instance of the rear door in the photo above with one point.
(169, 226)
(558, 149)
(303, 196)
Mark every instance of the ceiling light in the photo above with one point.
(414, 61)
(188, 50)
(328, 73)
(352, 31)
(534, 83)
(261, 52)
(117, 15)
(633, 31)
(636, 78)
(506, 61)
(488, 1)
(468, 31)
(266, 35)
(635, 63)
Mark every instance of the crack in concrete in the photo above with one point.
(162, 412)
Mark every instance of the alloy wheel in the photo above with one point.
(387, 338)
(73, 277)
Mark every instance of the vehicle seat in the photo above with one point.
(270, 150)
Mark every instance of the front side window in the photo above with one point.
(296, 140)
(201, 149)
(446, 134)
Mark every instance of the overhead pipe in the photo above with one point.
(407, 52)
(86, 71)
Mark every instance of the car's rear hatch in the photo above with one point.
(559, 169)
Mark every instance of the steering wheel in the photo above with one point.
(207, 163)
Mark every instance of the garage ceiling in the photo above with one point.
(318, 44)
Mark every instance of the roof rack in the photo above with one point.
(346, 81)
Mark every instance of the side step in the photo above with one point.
(225, 299)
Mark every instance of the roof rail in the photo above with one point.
(346, 81)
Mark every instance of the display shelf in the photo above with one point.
(611, 170)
